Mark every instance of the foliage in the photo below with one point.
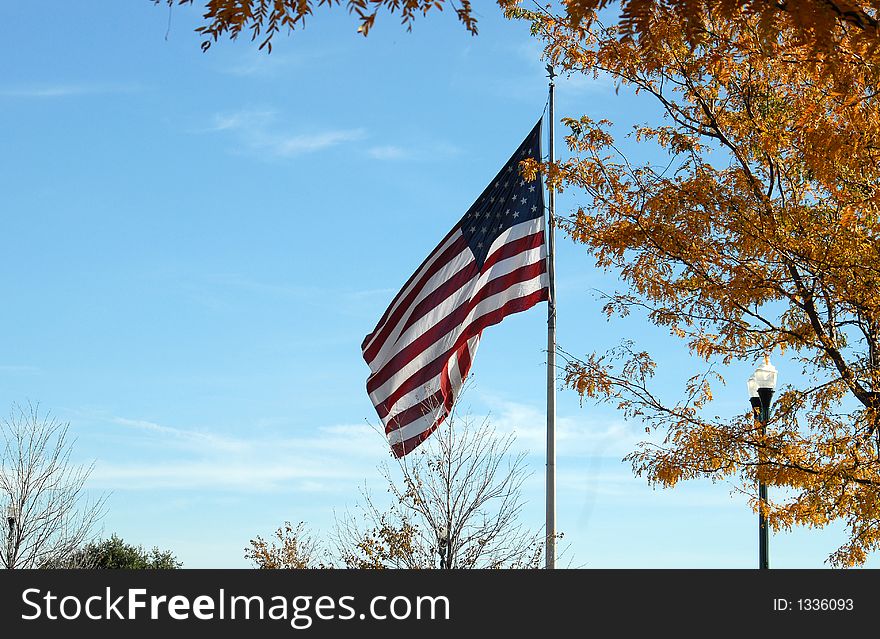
(757, 233)
(46, 514)
(814, 22)
(295, 548)
(114, 553)
(265, 18)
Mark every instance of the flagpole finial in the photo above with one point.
(551, 72)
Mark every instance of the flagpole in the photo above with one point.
(551, 350)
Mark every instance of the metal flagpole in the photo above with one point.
(551, 352)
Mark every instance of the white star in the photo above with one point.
(532, 188)
(473, 228)
(480, 245)
(522, 201)
(522, 182)
(534, 208)
(492, 199)
(516, 215)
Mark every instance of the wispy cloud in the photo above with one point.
(575, 436)
(66, 90)
(259, 131)
(258, 64)
(414, 150)
(308, 143)
(212, 291)
(11, 369)
(387, 152)
(198, 459)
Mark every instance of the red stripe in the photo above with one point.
(464, 361)
(451, 321)
(417, 411)
(519, 245)
(433, 368)
(386, 327)
(410, 444)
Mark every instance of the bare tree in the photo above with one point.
(456, 503)
(48, 516)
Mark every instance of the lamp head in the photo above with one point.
(765, 376)
(753, 387)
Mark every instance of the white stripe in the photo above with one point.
(418, 426)
(455, 373)
(415, 280)
(517, 231)
(415, 396)
(494, 302)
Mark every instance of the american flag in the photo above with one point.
(491, 264)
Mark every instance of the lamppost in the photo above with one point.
(443, 545)
(761, 386)
(11, 516)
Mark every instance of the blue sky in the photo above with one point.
(195, 244)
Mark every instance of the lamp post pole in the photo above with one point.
(761, 387)
(11, 517)
(443, 547)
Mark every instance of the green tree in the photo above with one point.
(114, 553)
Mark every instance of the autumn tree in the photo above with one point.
(817, 22)
(47, 514)
(755, 233)
(289, 548)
